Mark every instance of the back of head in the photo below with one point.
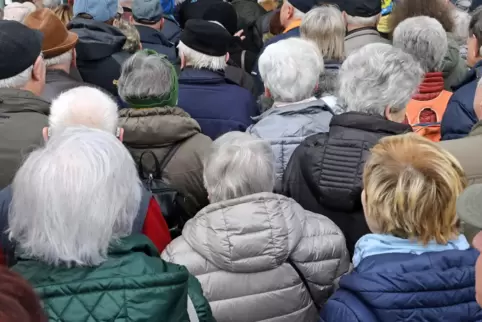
(73, 197)
(377, 77)
(99, 10)
(147, 12)
(359, 13)
(410, 196)
(18, 301)
(326, 27)
(18, 11)
(148, 80)
(83, 106)
(290, 69)
(437, 9)
(425, 39)
(238, 165)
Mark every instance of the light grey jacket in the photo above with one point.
(358, 38)
(239, 251)
(287, 126)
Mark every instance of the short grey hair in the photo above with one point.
(84, 106)
(74, 197)
(65, 58)
(425, 39)
(362, 21)
(200, 60)
(378, 76)
(17, 81)
(145, 75)
(238, 165)
(290, 69)
(325, 26)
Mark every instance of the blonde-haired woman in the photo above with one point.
(326, 28)
(415, 266)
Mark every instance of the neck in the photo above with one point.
(350, 27)
(31, 88)
(155, 26)
(64, 67)
(291, 21)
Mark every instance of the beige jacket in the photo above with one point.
(240, 251)
(157, 129)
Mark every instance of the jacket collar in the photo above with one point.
(191, 75)
(362, 32)
(53, 75)
(370, 123)
(431, 87)
(153, 36)
(292, 25)
(473, 74)
(477, 129)
(301, 107)
(17, 100)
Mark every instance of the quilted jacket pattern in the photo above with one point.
(134, 284)
(287, 126)
(239, 250)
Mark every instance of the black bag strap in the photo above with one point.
(157, 167)
(168, 157)
(243, 58)
(303, 279)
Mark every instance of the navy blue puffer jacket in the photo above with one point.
(432, 287)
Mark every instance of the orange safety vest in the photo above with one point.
(437, 105)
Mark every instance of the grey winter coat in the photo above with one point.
(358, 38)
(287, 126)
(239, 250)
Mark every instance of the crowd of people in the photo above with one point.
(241, 161)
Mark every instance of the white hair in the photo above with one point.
(200, 60)
(74, 197)
(51, 4)
(290, 69)
(362, 21)
(378, 76)
(461, 26)
(65, 58)
(86, 106)
(325, 26)
(297, 14)
(238, 165)
(425, 39)
(144, 76)
(17, 81)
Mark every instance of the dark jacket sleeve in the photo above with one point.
(459, 117)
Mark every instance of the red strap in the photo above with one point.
(155, 226)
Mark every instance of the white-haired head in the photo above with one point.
(238, 165)
(425, 39)
(377, 77)
(74, 197)
(18, 81)
(195, 59)
(290, 69)
(326, 28)
(85, 106)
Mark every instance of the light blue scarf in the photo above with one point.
(376, 244)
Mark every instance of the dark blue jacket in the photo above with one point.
(155, 40)
(432, 287)
(459, 117)
(216, 104)
(171, 29)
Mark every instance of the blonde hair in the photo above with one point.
(64, 13)
(133, 38)
(411, 187)
(325, 26)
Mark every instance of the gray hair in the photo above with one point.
(425, 39)
(65, 58)
(325, 26)
(290, 69)
(362, 21)
(84, 106)
(74, 197)
(145, 75)
(200, 60)
(51, 4)
(17, 81)
(238, 165)
(378, 76)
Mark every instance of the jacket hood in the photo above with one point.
(97, 40)
(248, 234)
(156, 126)
(18, 101)
(151, 36)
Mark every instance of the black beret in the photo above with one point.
(207, 37)
(358, 8)
(20, 47)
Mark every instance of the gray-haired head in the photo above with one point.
(325, 26)
(74, 197)
(290, 69)
(425, 39)
(144, 75)
(238, 165)
(377, 77)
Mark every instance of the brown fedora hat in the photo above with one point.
(57, 39)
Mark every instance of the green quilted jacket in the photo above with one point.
(134, 284)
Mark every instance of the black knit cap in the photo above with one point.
(358, 8)
(207, 37)
(20, 47)
(224, 13)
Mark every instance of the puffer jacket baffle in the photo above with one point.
(242, 251)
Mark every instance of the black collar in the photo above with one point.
(370, 123)
(361, 29)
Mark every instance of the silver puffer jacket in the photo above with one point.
(241, 249)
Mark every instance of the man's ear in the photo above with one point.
(38, 72)
(291, 11)
(388, 116)
(183, 60)
(120, 134)
(227, 57)
(74, 58)
(344, 17)
(161, 24)
(131, 20)
(267, 93)
(45, 133)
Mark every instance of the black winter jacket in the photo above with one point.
(58, 81)
(325, 172)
